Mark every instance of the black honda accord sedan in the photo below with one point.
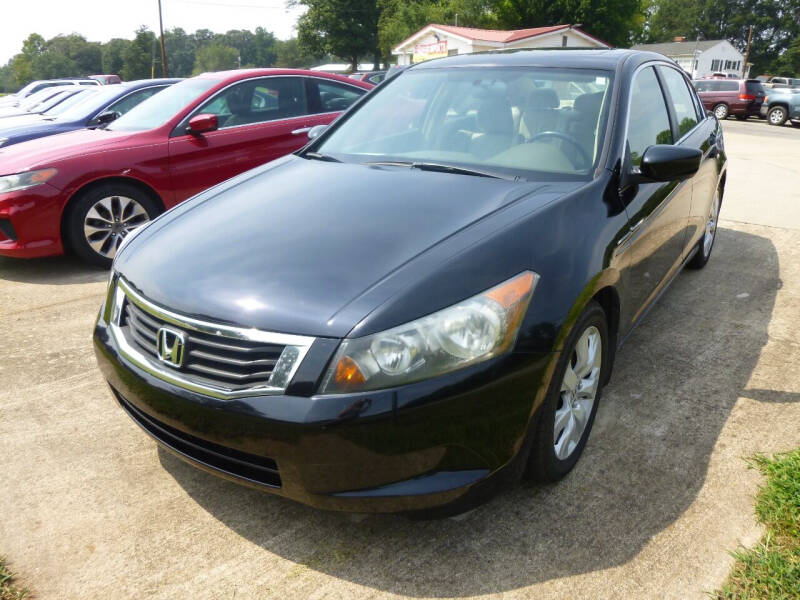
(426, 300)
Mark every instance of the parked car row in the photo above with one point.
(745, 98)
(85, 179)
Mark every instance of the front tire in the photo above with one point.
(568, 412)
(721, 111)
(777, 116)
(99, 218)
(706, 243)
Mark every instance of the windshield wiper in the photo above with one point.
(440, 168)
(318, 156)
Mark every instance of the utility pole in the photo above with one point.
(747, 52)
(163, 51)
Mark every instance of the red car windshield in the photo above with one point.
(156, 111)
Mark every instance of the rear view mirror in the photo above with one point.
(104, 118)
(200, 124)
(316, 131)
(664, 162)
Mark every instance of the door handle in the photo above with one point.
(301, 131)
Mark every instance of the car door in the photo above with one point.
(327, 99)
(657, 211)
(695, 129)
(258, 121)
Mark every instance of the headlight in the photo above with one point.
(21, 181)
(466, 333)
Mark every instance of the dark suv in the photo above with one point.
(741, 98)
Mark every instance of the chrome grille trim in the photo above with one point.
(275, 373)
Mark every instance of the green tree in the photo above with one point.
(138, 56)
(215, 57)
(400, 18)
(346, 28)
(86, 56)
(289, 54)
(775, 24)
(266, 49)
(113, 56)
(180, 48)
(788, 63)
(617, 22)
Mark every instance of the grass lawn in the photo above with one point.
(8, 591)
(771, 570)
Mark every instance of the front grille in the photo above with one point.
(215, 360)
(259, 469)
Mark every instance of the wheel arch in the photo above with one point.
(137, 183)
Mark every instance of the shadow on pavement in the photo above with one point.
(676, 381)
(56, 270)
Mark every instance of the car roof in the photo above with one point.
(138, 83)
(601, 58)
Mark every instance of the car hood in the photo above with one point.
(288, 249)
(43, 152)
(26, 129)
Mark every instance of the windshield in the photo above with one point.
(37, 97)
(526, 122)
(90, 100)
(61, 107)
(160, 108)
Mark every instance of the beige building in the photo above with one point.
(435, 41)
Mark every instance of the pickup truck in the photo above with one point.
(781, 82)
(781, 105)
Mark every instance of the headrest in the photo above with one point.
(543, 98)
(238, 101)
(588, 102)
(494, 115)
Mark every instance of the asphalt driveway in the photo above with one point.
(90, 508)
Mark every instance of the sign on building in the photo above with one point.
(428, 51)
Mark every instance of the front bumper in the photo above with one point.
(442, 443)
(31, 222)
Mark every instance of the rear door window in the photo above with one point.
(334, 97)
(681, 99)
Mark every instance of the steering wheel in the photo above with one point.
(564, 136)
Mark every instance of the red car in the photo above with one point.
(86, 190)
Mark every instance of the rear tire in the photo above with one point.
(567, 414)
(777, 116)
(721, 111)
(99, 218)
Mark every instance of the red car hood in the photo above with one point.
(48, 151)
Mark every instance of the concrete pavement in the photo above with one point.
(90, 508)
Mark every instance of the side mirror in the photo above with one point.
(664, 162)
(316, 131)
(104, 118)
(200, 124)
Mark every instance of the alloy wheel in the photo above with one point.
(721, 111)
(578, 392)
(109, 220)
(776, 116)
(711, 226)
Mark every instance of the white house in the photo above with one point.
(434, 41)
(701, 58)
